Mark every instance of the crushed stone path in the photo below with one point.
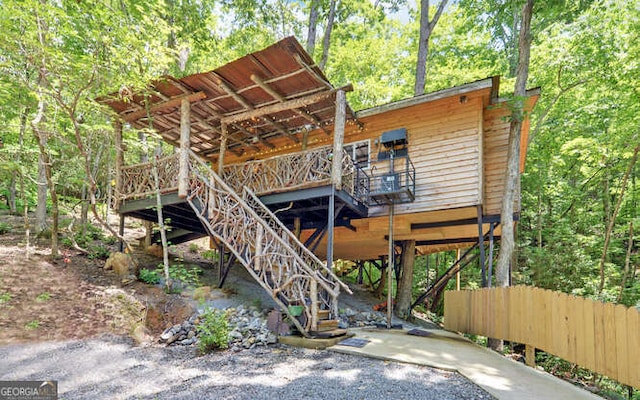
(111, 367)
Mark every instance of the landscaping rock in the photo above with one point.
(120, 263)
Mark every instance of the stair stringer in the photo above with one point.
(279, 262)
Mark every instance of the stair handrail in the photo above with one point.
(333, 291)
(301, 249)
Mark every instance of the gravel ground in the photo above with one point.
(111, 367)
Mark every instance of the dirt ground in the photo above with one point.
(73, 297)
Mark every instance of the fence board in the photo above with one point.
(610, 340)
(633, 344)
(601, 337)
(621, 342)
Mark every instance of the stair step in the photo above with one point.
(329, 334)
(327, 325)
(323, 314)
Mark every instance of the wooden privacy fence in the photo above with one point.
(602, 337)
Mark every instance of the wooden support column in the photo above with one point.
(313, 293)
(117, 128)
(185, 131)
(338, 139)
(336, 168)
(223, 148)
(481, 248)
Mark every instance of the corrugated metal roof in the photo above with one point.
(278, 91)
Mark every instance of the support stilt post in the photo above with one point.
(121, 233)
(458, 273)
(490, 260)
(481, 248)
(185, 130)
(336, 167)
(390, 268)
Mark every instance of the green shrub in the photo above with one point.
(4, 228)
(149, 276)
(99, 252)
(211, 255)
(187, 276)
(193, 248)
(110, 240)
(5, 297)
(213, 331)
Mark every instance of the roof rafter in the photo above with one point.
(164, 105)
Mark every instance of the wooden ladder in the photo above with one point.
(270, 252)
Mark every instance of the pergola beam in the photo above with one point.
(283, 106)
(311, 118)
(172, 103)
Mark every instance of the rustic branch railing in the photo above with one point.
(137, 180)
(295, 171)
(267, 249)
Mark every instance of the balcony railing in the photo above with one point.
(272, 175)
(294, 171)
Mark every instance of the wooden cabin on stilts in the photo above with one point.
(276, 168)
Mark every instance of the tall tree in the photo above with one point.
(314, 11)
(326, 41)
(426, 29)
(512, 175)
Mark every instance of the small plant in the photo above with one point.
(214, 331)
(211, 255)
(42, 297)
(193, 248)
(32, 325)
(99, 252)
(150, 276)
(5, 298)
(4, 228)
(187, 276)
(110, 240)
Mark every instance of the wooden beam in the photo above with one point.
(185, 144)
(338, 139)
(311, 118)
(117, 127)
(287, 105)
(223, 148)
(174, 102)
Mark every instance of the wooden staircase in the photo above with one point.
(276, 259)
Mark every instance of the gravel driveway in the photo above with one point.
(111, 367)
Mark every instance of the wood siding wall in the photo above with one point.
(602, 337)
(444, 147)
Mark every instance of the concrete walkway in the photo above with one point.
(500, 376)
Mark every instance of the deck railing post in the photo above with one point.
(117, 127)
(185, 130)
(338, 139)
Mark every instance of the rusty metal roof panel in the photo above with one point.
(272, 76)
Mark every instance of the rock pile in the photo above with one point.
(183, 334)
(353, 319)
(247, 329)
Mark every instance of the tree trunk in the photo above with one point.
(13, 192)
(163, 233)
(512, 175)
(627, 263)
(326, 42)
(426, 28)
(612, 220)
(405, 286)
(41, 205)
(313, 26)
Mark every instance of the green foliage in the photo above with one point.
(5, 297)
(150, 276)
(213, 331)
(42, 297)
(186, 276)
(32, 325)
(211, 255)
(99, 252)
(5, 228)
(194, 248)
